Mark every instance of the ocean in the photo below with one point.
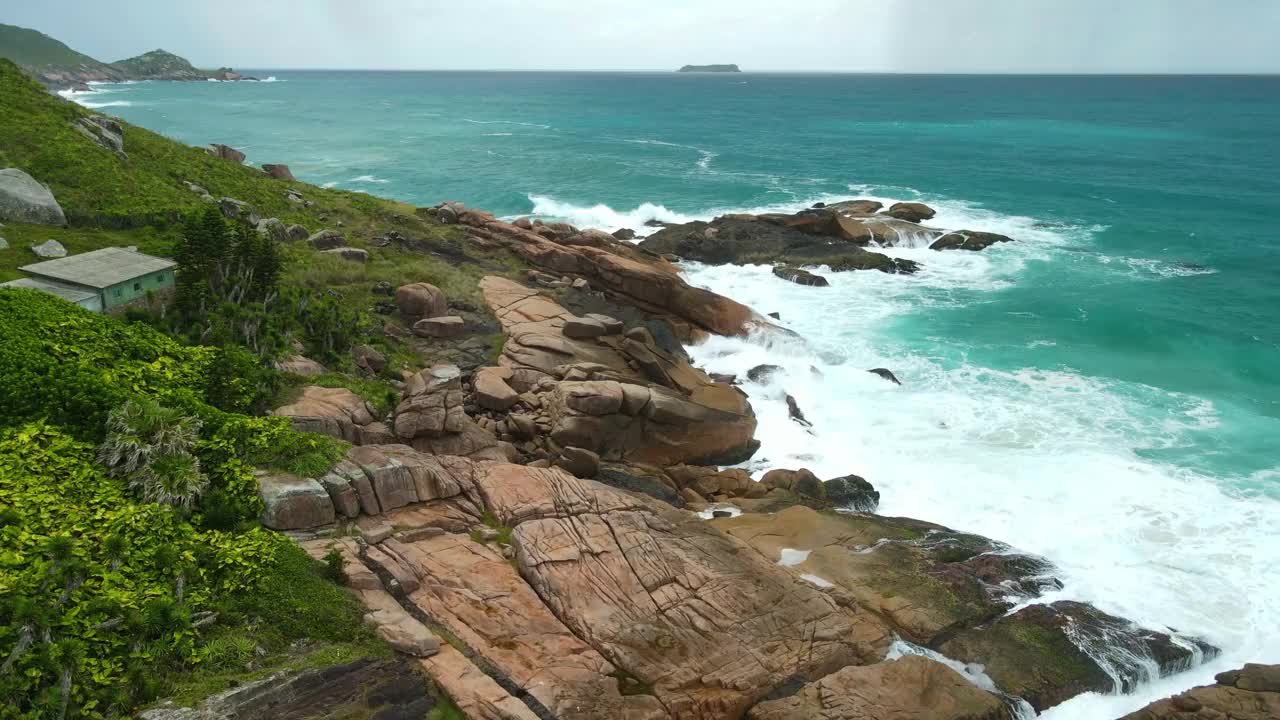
(1105, 391)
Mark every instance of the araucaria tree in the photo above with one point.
(151, 446)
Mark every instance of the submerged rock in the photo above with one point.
(968, 240)
(886, 374)
(799, 276)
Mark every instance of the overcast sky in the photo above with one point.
(849, 35)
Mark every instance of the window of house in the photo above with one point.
(116, 292)
(160, 278)
(137, 287)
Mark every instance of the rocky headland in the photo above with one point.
(59, 67)
(725, 68)
(541, 514)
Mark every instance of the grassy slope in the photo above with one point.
(34, 49)
(139, 199)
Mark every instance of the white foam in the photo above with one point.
(710, 512)
(973, 672)
(369, 179)
(507, 122)
(498, 134)
(789, 557)
(815, 580)
(85, 98)
(1048, 460)
(602, 216)
(704, 156)
(271, 79)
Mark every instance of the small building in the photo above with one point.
(102, 280)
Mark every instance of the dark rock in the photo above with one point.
(794, 412)
(726, 378)
(799, 276)
(721, 513)
(279, 172)
(853, 493)
(886, 374)
(625, 234)
(635, 479)
(225, 152)
(297, 233)
(775, 316)
(327, 240)
(579, 462)
(911, 211)
(382, 287)
(762, 373)
(968, 240)
(1036, 652)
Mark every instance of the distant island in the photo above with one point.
(710, 69)
(59, 67)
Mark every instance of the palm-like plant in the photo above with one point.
(151, 446)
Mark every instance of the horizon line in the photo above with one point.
(660, 71)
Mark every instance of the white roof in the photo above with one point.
(66, 292)
(100, 268)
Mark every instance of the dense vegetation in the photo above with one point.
(131, 563)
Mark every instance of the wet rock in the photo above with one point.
(852, 493)
(968, 240)
(901, 689)
(911, 211)
(1229, 699)
(1036, 654)
(22, 199)
(886, 374)
(327, 240)
(625, 234)
(799, 276)
(795, 413)
(763, 373)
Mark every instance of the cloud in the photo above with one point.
(849, 35)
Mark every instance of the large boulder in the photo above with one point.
(273, 229)
(421, 300)
(491, 389)
(279, 172)
(338, 412)
(301, 366)
(225, 152)
(327, 240)
(22, 199)
(911, 211)
(1251, 693)
(49, 249)
(293, 503)
(907, 688)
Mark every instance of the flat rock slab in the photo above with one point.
(904, 689)
(447, 326)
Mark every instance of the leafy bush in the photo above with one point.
(150, 446)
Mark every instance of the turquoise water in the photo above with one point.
(1105, 391)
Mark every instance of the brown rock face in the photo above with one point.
(636, 277)
(911, 211)
(909, 688)
(709, 625)
(491, 389)
(1251, 693)
(447, 326)
(431, 417)
(279, 172)
(472, 591)
(421, 300)
(337, 412)
(630, 399)
(299, 365)
(226, 152)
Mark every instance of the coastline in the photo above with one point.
(693, 349)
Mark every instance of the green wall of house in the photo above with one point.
(137, 288)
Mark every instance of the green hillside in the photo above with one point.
(33, 49)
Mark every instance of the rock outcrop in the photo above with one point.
(968, 240)
(226, 152)
(421, 300)
(49, 249)
(279, 172)
(431, 418)
(24, 200)
(1251, 693)
(618, 269)
(294, 503)
(104, 131)
(337, 412)
(799, 276)
(904, 689)
(621, 396)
